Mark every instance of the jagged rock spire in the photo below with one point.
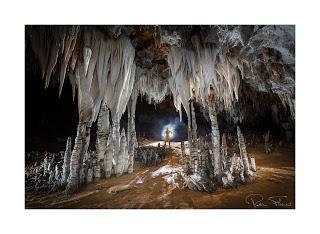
(215, 139)
(66, 162)
(244, 154)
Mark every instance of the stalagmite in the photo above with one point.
(51, 177)
(150, 155)
(233, 64)
(132, 138)
(253, 164)
(79, 150)
(83, 174)
(102, 131)
(215, 139)
(109, 157)
(90, 175)
(224, 151)
(122, 154)
(224, 146)
(243, 154)
(183, 158)
(100, 69)
(66, 162)
(267, 147)
(57, 173)
(193, 143)
(203, 153)
(238, 169)
(232, 163)
(116, 143)
(227, 179)
(126, 161)
(97, 170)
(45, 165)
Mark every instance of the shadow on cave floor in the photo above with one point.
(161, 187)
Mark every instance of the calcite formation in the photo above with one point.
(66, 162)
(215, 139)
(222, 68)
(149, 155)
(76, 161)
(212, 168)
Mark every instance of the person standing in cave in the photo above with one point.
(167, 137)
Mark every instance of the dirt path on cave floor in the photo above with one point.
(160, 187)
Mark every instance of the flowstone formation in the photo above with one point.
(227, 70)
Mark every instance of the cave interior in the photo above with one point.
(99, 98)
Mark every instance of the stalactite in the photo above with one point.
(48, 45)
(150, 83)
(54, 52)
(215, 139)
(195, 71)
(122, 76)
(66, 162)
(69, 45)
(79, 150)
(182, 65)
(100, 69)
(288, 101)
(243, 154)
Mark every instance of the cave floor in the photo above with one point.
(161, 187)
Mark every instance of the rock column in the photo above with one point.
(244, 154)
(215, 139)
(79, 150)
(109, 156)
(66, 162)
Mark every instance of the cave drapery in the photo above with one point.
(217, 67)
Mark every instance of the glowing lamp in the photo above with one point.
(171, 128)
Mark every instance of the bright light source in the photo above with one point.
(171, 129)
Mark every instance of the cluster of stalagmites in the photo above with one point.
(209, 164)
(149, 155)
(44, 176)
(105, 67)
(113, 157)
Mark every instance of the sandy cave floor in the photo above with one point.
(161, 187)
